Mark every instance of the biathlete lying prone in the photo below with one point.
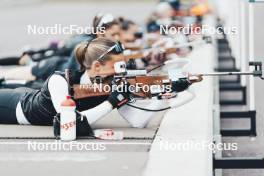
(38, 107)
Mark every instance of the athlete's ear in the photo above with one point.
(96, 66)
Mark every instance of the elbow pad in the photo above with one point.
(180, 85)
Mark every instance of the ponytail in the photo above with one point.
(80, 51)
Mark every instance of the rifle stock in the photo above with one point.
(95, 90)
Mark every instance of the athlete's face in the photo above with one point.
(105, 69)
(112, 33)
(128, 36)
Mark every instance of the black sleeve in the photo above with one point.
(44, 68)
(9, 61)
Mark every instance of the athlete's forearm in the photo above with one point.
(97, 112)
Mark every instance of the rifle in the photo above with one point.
(143, 87)
(170, 50)
(257, 72)
(155, 83)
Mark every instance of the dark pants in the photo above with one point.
(9, 61)
(47, 67)
(8, 103)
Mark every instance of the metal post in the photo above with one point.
(243, 41)
(237, 37)
(251, 56)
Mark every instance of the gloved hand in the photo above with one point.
(118, 98)
(131, 64)
(180, 85)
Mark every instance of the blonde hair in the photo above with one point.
(88, 52)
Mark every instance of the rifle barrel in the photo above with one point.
(226, 73)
